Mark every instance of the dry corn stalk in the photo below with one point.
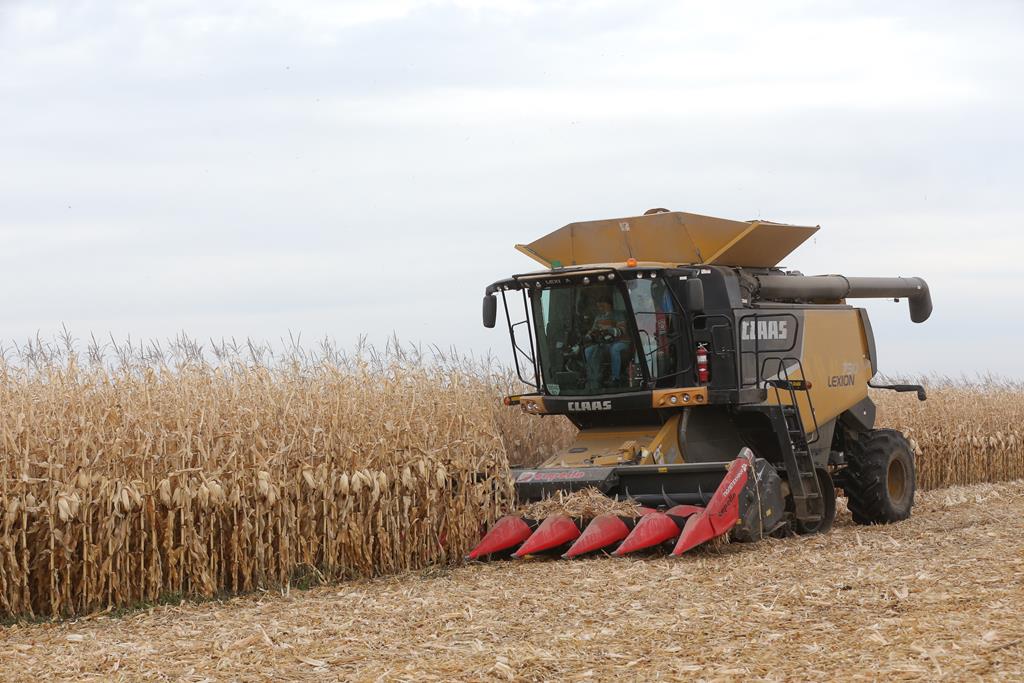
(965, 433)
(588, 503)
(120, 486)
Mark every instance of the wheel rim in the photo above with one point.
(896, 480)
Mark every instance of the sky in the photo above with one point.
(339, 169)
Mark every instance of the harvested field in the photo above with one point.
(938, 597)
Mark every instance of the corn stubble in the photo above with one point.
(162, 473)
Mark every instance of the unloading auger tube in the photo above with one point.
(832, 288)
(717, 393)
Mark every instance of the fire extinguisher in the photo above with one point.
(703, 372)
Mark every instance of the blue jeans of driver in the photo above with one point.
(595, 355)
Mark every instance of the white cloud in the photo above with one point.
(337, 168)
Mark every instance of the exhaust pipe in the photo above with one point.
(826, 288)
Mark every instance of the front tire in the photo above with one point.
(880, 477)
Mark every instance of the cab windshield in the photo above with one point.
(591, 342)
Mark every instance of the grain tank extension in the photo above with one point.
(721, 393)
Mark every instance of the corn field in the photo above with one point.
(197, 472)
(126, 482)
(967, 432)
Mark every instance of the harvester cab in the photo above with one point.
(718, 393)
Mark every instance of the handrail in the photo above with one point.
(785, 362)
(516, 348)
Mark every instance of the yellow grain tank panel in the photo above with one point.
(669, 237)
(835, 361)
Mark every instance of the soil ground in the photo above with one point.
(940, 596)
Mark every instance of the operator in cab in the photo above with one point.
(607, 340)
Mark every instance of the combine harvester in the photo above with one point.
(720, 393)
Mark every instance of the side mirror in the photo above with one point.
(490, 310)
(693, 295)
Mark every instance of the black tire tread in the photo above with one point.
(864, 482)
